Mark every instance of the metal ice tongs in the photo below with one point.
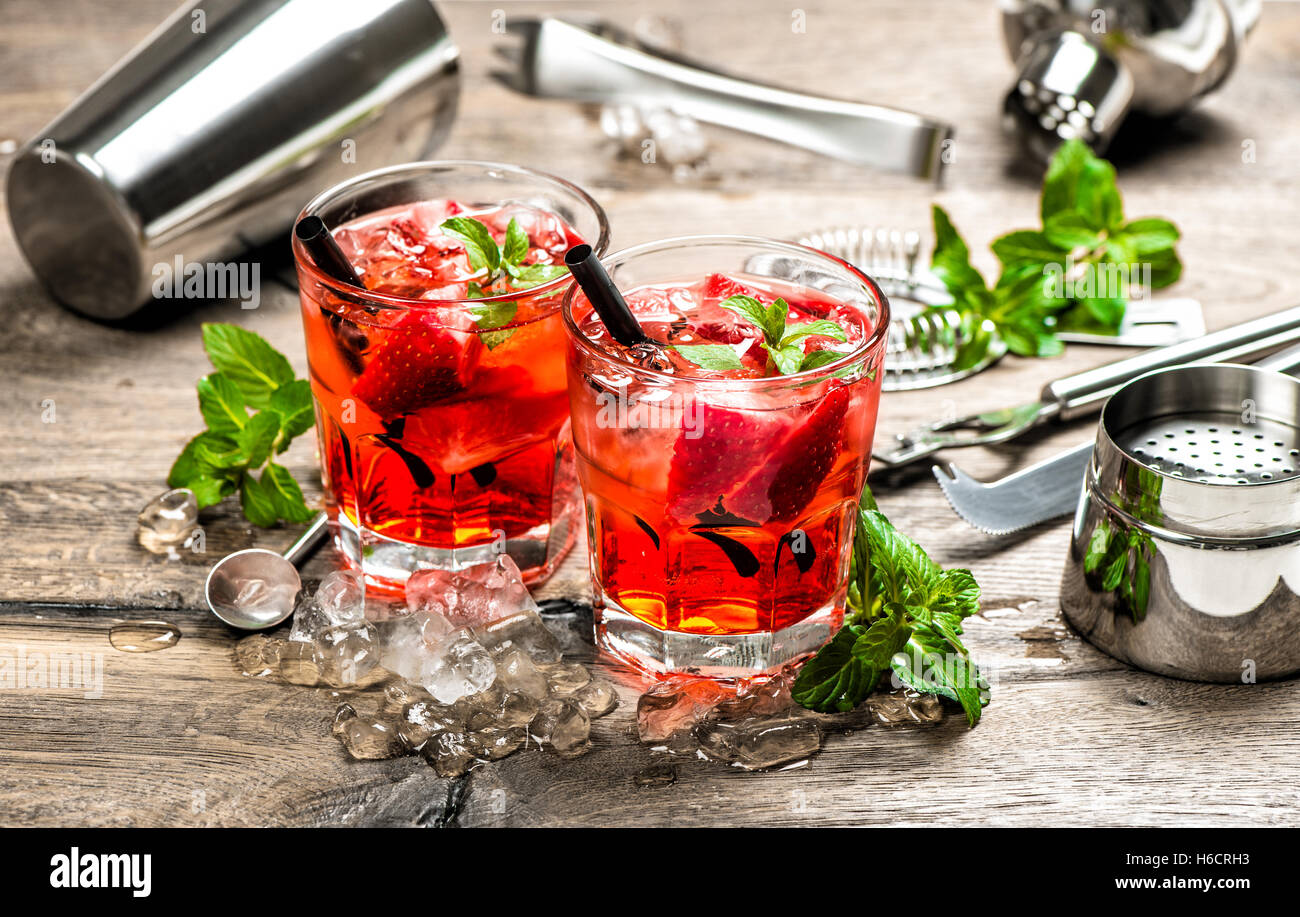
(593, 61)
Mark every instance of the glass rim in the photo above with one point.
(874, 339)
(313, 207)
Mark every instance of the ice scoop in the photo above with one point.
(256, 588)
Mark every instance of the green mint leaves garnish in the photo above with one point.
(224, 459)
(782, 341)
(498, 263)
(904, 615)
(1075, 272)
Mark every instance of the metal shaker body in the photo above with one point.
(208, 138)
(1184, 558)
(1082, 66)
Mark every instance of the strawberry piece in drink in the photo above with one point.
(422, 362)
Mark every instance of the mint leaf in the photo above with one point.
(1150, 236)
(816, 359)
(1027, 245)
(713, 357)
(285, 495)
(209, 491)
(1071, 230)
(835, 679)
(1098, 197)
(247, 360)
(480, 248)
(951, 258)
(256, 439)
(296, 409)
(878, 644)
(822, 328)
(1061, 183)
(516, 244)
(1165, 268)
(906, 615)
(256, 502)
(221, 404)
(787, 360)
(526, 276)
(754, 312)
(493, 315)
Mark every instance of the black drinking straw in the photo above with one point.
(604, 296)
(317, 239)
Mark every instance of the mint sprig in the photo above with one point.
(225, 459)
(1083, 235)
(498, 264)
(905, 615)
(782, 341)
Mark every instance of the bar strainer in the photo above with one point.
(928, 344)
(1185, 554)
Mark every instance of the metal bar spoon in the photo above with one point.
(257, 588)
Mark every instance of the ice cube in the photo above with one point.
(517, 673)
(562, 726)
(341, 596)
(675, 705)
(449, 753)
(760, 742)
(399, 693)
(406, 644)
(167, 521)
(419, 720)
(300, 664)
(905, 708)
(597, 697)
(524, 630)
(367, 738)
(347, 653)
(309, 619)
(475, 595)
(457, 666)
(517, 709)
(496, 742)
(566, 677)
(258, 655)
(759, 696)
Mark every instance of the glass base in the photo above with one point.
(660, 652)
(386, 563)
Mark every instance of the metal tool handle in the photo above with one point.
(569, 61)
(1079, 394)
(307, 542)
(1288, 361)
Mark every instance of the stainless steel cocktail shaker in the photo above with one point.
(208, 138)
(1082, 66)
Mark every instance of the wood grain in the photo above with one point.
(1072, 737)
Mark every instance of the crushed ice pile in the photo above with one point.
(470, 671)
(755, 724)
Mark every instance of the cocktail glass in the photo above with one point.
(721, 504)
(440, 398)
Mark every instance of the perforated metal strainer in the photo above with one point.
(1185, 558)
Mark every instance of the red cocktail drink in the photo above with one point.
(722, 469)
(440, 390)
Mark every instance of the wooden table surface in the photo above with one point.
(1071, 738)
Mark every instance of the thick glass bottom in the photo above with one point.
(386, 563)
(659, 652)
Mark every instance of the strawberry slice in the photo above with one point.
(719, 286)
(759, 466)
(421, 362)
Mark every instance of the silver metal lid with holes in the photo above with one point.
(1185, 554)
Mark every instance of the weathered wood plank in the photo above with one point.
(1071, 738)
